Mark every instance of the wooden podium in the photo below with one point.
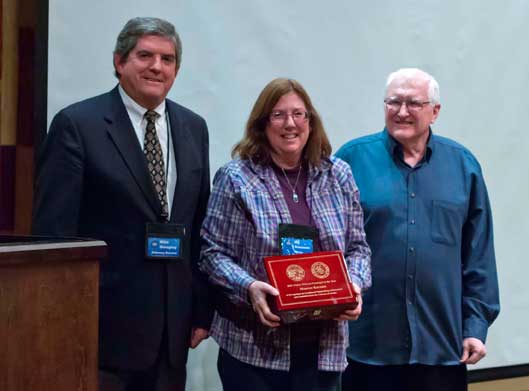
(49, 295)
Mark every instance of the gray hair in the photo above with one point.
(138, 27)
(414, 73)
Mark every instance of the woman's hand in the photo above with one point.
(354, 313)
(257, 292)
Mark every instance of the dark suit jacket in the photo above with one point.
(92, 181)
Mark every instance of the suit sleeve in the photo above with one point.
(202, 306)
(59, 180)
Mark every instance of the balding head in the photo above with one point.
(418, 75)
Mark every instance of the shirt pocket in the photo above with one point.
(446, 222)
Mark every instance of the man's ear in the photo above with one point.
(118, 64)
(436, 110)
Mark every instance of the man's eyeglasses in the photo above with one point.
(280, 117)
(412, 105)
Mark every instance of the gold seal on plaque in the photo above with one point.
(320, 270)
(295, 272)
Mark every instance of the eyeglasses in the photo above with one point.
(280, 117)
(412, 105)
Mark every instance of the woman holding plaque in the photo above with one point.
(282, 181)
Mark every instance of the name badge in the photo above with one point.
(164, 241)
(297, 239)
(163, 247)
(291, 246)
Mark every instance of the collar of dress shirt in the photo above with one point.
(394, 148)
(136, 111)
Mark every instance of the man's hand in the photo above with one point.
(354, 313)
(257, 292)
(473, 351)
(197, 335)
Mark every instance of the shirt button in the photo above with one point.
(412, 249)
(410, 277)
(412, 221)
(412, 195)
(409, 302)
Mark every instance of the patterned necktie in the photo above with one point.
(154, 155)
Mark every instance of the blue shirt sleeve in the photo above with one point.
(480, 281)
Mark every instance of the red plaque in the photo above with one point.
(311, 286)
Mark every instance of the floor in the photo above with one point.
(515, 384)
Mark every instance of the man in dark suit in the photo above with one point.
(109, 166)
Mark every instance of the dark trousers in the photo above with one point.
(160, 377)
(303, 375)
(412, 377)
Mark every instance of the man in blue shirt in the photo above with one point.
(428, 222)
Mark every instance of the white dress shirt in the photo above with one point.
(136, 115)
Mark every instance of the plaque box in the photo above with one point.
(311, 286)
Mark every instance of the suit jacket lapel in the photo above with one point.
(185, 154)
(121, 131)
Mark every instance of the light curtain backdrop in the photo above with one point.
(341, 51)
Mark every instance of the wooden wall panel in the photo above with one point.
(25, 133)
(23, 189)
(18, 43)
(9, 73)
(515, 384)
(26, 87)
(7, 186)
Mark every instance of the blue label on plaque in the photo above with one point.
(291, 246)
(163, 247)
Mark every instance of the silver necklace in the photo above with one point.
(295, 197)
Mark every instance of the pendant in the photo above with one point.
(295, 197)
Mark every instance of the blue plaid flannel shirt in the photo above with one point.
(241, 228)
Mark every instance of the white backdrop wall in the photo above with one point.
(341, 51)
